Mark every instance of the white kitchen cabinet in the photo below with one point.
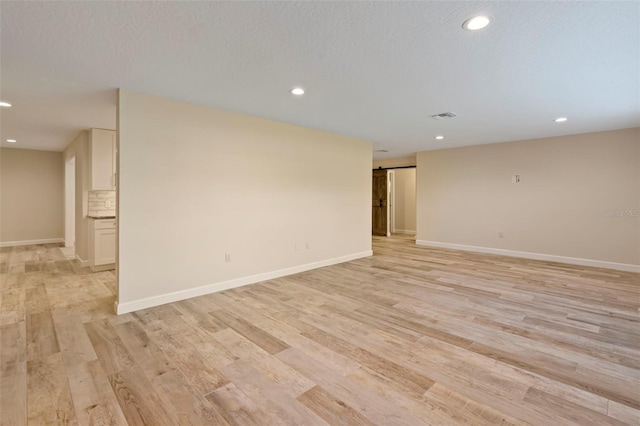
(102, 159)
(102, 244)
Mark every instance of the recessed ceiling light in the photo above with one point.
(5, 104)
(12, 140)
(560, 119)
(476, 23)
(298, 91)
(439, 137)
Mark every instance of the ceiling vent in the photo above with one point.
(444, 115)
(381, 150)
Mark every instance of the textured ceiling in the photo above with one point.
(373, 70)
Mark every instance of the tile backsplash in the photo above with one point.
(102, 203)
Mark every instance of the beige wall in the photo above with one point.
(405, 200)
(561, 207)
(395, 162)
(196, 183)
(80, 149)
(31, 195)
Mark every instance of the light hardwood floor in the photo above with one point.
(410, 336)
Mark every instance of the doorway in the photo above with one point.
(402, 202)
(394, 201)
(70, 202)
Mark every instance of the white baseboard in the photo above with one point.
(403, 231)
(148, 302)
(31, 242)
(536, 256)
(83, 263)
(101, 268)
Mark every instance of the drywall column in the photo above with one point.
(210, 199)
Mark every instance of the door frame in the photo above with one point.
(70, 202)
(391, 202)
(391, 226)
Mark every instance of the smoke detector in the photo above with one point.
(444, 115)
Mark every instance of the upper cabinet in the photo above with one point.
(102, 156)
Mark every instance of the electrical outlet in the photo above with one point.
(500, 235)
(515, 179)
(107, 203)
(307, 246)
(227, 257)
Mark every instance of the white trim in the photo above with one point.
(31, 242)
(70, 201)
(536, 256)
(148, 302)
(404, 231)
(391, 202)
(83, 263)
(100, 268)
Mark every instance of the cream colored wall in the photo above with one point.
(405, 200)
(395, 162)
(196, 183)
(31, 195)
(80, 149)
(563, 206)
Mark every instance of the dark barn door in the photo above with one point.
(379, 202)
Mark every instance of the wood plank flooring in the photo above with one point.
(410, 336)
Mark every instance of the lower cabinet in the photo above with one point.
(102, 244)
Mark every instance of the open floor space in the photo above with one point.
(410, 336)
(319, 213)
